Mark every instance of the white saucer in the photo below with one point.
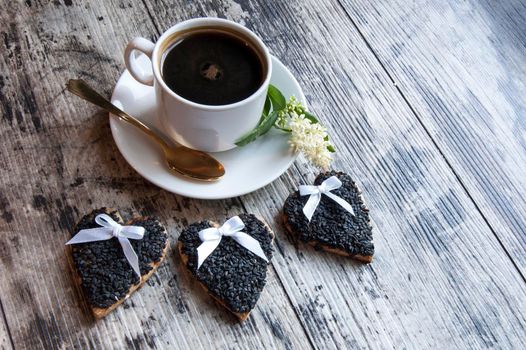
(247, 168)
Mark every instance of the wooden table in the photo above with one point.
(426, 102)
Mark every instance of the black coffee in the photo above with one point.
(212, 68)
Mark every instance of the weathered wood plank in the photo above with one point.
(5, 341)
(435, 280)
(460, 65)
(59, 161)
(439, 278)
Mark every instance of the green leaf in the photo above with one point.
(278, 100)
(248, 138)
(267, 123)
(311, 117)
(266, 109)
(264, 126)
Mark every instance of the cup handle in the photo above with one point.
(138, 71)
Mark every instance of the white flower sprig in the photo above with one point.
(310, 139)
(307, 135)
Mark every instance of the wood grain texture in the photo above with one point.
(59, 162)
(440, 277)
(461, 66)
(5, 341)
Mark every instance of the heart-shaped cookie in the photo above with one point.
(332, 227)
(103, 272)
(231, 274)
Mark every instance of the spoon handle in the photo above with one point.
(80, 88)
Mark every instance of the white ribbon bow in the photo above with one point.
(315, 193)
(109, 229)
(211, 237)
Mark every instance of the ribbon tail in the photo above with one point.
(311, 205)
(205, 249)
(130, 255)
(341, 202)
(91, 235)
(250, 243)
(133, 232)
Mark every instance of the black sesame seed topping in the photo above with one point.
(231, 273)
(105, 273)
(332, 225)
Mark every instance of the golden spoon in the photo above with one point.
(195, 164)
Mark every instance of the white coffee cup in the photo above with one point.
(210, 128)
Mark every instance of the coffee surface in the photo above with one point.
(212, 68)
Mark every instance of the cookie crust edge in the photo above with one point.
(98, 312)
(326, 248)
(184, 258)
